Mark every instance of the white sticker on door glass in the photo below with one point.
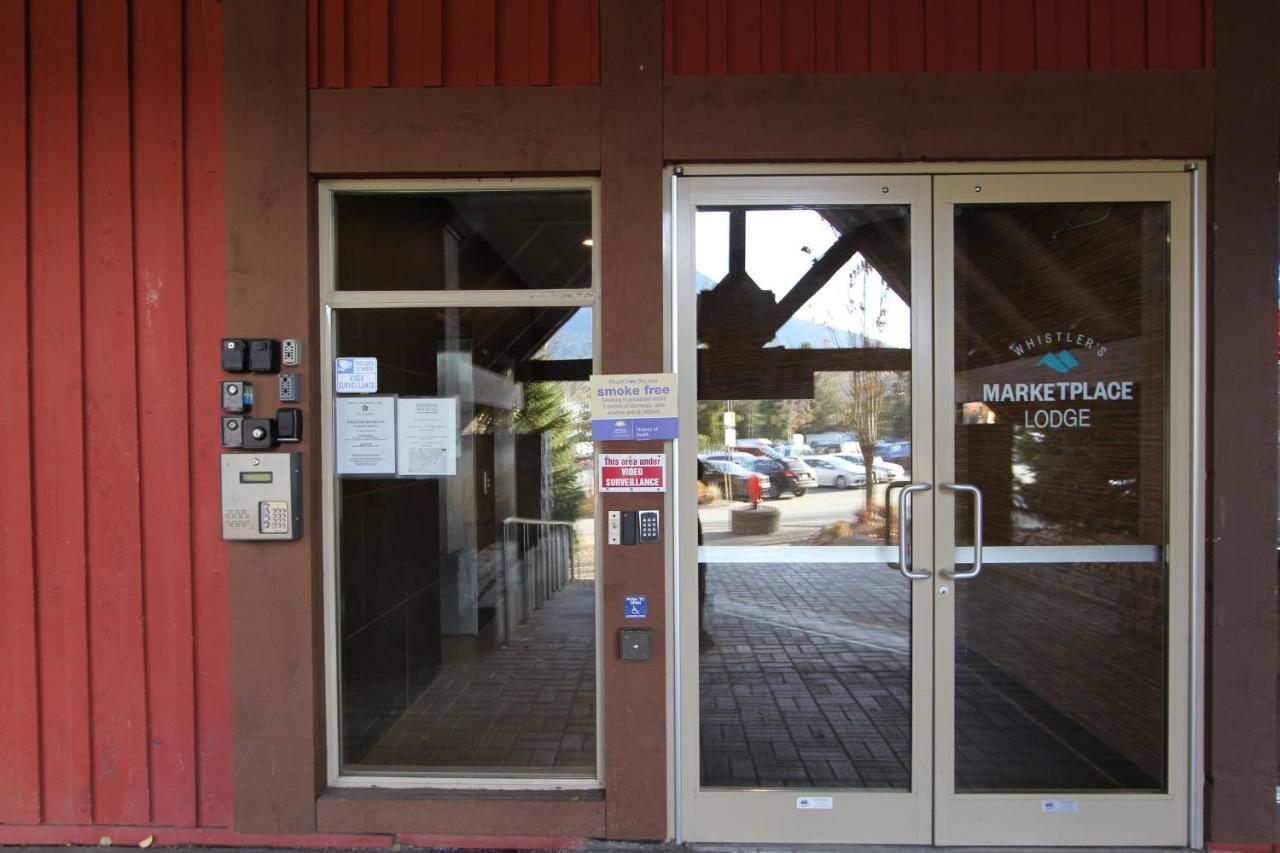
(813, 802)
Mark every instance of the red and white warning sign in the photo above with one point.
(633, 472)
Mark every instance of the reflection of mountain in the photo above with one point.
(797, 334)
(571, 340)
(801, 334)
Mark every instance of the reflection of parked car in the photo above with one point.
(885, 472)
(834, 471)
(893, 450)
(801, 475)
(781, 478)
(737, 457)
(717, 471)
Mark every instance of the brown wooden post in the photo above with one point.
(631, 317)
(1242, 424)
(276, 662)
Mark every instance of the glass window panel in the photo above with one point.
(1061, 349)
(804, 359)
(804, 418)
(1060, 678)
(492, 240)
(1061, 318)
(467, 603)
(805, 676)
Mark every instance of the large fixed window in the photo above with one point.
(458, 340)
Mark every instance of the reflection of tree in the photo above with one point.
(863, 403)
(544, 411)
(1083, 480)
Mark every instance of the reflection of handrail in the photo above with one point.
(888, 513)
(545, 560)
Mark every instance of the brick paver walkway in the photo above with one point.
(808, 685)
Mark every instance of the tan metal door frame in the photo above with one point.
(932, 812)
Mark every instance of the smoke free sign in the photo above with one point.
(633, 407)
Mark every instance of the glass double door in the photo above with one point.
(934, 532)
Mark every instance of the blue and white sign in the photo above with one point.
(355, 375)
(635, 606)
(633, 407)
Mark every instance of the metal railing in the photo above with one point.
(543, 555)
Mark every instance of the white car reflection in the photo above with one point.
(834, 471)
(885, 472)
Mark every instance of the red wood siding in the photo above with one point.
(409, 43)
(839, 36)
(113, 589)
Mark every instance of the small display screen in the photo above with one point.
(255, 476)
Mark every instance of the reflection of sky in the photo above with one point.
(571, 340)
(776, 258)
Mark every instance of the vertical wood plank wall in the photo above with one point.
(411, 43)
(844, 36)
(114, 705)
(407, 43)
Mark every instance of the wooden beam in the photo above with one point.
(864, 117)
(277, 738)
(517, 129)
(1242, 430)
(631, 318)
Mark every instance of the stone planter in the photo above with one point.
(746, 521)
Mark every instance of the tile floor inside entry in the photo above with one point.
(528, 704)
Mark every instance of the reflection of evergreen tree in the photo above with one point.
(544, 411)
(1082, 479)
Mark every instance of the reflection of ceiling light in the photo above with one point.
(587, 241)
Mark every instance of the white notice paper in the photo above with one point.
(427, 436)
(365, 436)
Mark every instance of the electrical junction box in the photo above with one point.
(258, 433)
(262, 496)
(237, 396)
(235, 355)
(635, 644)
(233, 431)
(264, 355)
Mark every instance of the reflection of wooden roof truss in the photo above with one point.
(1020, 269)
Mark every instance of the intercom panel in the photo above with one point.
(262, 496)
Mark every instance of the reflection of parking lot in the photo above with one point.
(801, 517)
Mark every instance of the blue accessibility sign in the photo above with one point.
(635, 606)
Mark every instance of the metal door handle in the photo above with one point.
(904, 528)
(977, 530)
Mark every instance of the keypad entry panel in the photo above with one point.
(262, 496)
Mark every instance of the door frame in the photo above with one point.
(1189, 393)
